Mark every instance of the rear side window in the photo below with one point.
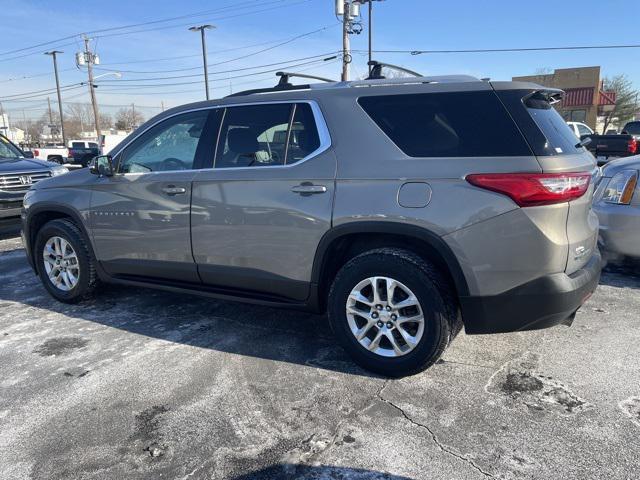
(456, 124)
(561, 140)
(266, 135)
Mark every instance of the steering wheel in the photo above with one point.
(173, 164)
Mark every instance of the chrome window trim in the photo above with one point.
(321, 127)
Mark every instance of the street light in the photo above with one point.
(202, 28)
(370, 2)
(94, 102)
(53, 54)
(115, 74)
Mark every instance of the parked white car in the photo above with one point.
(579, 129)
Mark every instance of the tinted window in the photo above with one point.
(632, 128)
(253, 136)
(170, 145)
(93, 145)
(460, 124)
(560, 138)
(77, 144)
(303, 139)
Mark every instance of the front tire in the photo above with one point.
(64, 261)
(392, 311)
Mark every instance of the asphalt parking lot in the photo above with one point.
(139, 384)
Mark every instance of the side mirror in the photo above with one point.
(28, 154)
(102, 165)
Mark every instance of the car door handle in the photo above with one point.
(173, 190)
(308, 189)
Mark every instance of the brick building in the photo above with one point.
(584, 100)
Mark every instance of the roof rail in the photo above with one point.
(285, 76)
(410, 80)
(283, 84)
(277, 88)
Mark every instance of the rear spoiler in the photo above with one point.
(549, 96)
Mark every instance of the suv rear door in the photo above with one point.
(557, 151)
(140, 216)
(259, 213)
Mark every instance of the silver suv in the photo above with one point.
(404, 208)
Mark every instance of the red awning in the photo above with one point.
(578, 97)
(607, 98)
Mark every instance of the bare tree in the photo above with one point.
(128, 119)
(626, 100)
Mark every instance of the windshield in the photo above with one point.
(632, 128)
(7, 150)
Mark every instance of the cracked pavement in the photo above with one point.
(141, 384)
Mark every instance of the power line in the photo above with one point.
(224, 79)
(223, 71)
(285, 42)
(500, 50)
(138, 31)
(123, 27)
(208, 19)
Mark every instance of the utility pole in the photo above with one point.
(346, 55)
(202, 28)
(90, 60)
(53, 54)
(349, 10)
(162, 105)
(50, 114)
(4, 125)
(133, 115)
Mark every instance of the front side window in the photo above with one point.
(170, 145)
(266, 135)
(460, 124)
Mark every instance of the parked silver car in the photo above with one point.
(404, 208)
(617, 203)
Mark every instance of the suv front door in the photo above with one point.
(258, 215)
(140, 216)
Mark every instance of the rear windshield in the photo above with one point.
(558, 134)
(452, 124)
(77, 144)
(632, 128)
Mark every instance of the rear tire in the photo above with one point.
(404, 346)
(68, 272)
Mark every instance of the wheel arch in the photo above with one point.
(345, 241)
(39, 215)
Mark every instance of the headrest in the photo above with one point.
(242, 141)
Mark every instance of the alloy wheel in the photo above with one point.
(61, 263)
(385, 316)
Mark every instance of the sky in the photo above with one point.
(253, 38)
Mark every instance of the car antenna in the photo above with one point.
(376, 70)
(285, 76)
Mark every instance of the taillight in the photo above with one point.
(632, 146)
(70, 153)
(36, 153)
(532, 189)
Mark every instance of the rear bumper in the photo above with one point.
(543, 302)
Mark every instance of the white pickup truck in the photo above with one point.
(51, 152)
